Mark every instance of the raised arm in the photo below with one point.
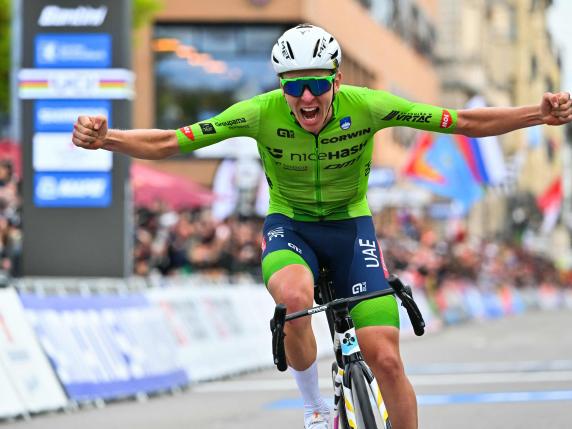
(554, 109)
(240, 119)
(91, 132)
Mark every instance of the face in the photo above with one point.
(312, 112)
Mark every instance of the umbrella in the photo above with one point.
(151, 186)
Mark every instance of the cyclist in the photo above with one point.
(315, 139)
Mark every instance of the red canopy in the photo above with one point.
(151, 185)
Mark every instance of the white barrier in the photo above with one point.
(23, 361)
(10, 403)
(224, 330)
(105, 346)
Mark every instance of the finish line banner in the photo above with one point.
(106, 346)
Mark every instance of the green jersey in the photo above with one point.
(322, 176)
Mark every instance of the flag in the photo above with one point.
(437, 163)
(470, 150)
(487, 152)
(549, 203)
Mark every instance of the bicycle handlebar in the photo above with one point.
(404, 293)
(280, 318)
(277, 329)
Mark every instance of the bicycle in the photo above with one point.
(357, 399)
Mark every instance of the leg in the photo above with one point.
(293, 286)
(288, 267)
(380, 348)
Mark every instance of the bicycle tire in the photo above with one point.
(367, 416)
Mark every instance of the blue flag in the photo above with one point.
(438, 164)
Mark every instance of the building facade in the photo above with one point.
(502, 50)
(192, 62)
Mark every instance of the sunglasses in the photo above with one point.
(317, 85)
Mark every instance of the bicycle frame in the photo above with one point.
(348, 358)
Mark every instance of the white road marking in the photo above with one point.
(417, 380)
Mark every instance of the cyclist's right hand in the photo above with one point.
(89, 132)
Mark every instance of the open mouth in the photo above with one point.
(309, 113)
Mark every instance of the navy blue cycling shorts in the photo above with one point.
(347, 248)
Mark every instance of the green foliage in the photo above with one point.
(143, 11)
(5, 16)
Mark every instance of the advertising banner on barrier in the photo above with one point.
(10, 403)
(23, 360)
(106, 346)
(224, 330)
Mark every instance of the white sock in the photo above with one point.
(307, 381)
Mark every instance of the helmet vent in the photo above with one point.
(335, 54)
(290, 50)
(316, 48)
(331, 39)
(275, 60)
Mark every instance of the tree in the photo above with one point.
(143, 11)
(5, 16)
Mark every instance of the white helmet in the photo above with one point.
(306, 47)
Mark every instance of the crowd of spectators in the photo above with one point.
(186, 242)
(178, 243)
(170, 243)
(10, 229)
(432, 262)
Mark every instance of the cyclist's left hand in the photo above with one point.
(556, 108)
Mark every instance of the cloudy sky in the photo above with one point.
(560, 24)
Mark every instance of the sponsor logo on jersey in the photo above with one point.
(342, 165)
(188, 132)
(446, 119)
(295, 248)
(276, 153)
(232, 123)
(283, 132)
(207, 128)
(338, 154)
(275, 233)
(346, 123)
(345, 137)
(407, 117)
(369, 252)
(359, 288)
(294, 167)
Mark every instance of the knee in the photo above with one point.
(388, 364)
(292, 286)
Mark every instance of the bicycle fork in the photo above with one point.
(349, 358)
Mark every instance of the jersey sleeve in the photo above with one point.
(239, 120)
(389, 110)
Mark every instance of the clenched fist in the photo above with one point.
(89, 132)
(556, 108)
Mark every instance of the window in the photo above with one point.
(200, 70)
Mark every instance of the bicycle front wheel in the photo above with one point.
(365, 409)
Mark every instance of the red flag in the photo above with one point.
(551, 197)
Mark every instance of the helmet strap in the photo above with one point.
(330, 106)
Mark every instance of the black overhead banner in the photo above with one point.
(75, 60)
